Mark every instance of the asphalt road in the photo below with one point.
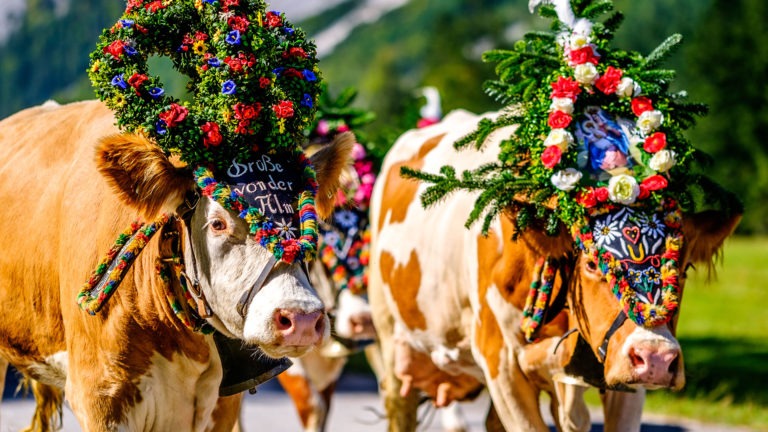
(356, 407)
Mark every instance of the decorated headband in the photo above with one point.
(254, 83)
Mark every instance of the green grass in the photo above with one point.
(723, 329)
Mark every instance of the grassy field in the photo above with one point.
(723, 330)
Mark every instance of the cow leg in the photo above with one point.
(492, 420)
(572, 414)
(226, 415)
(305, 398)
(623, 410)
(516, 400)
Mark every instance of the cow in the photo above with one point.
(447, 301)
(135, 365)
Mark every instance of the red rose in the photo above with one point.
(228, 4)
(654, 182)
(559, 119)
(175, 115)
(154, 6)
(609, 81)
(242, 128)
(587, 197)
(238, 23)
(584, 55)
(565, 88)
(641, 104)
(264, 82)
(133, 4)
(655, 142)
(644, 192)
(201, 36)
(211, 134)
(295, 73)
(551, 156)
(246, 112)
(284, 109)
(115, 48)
(273, 20)
(234, 64)
(137, 80)
(601, 194)
(295, 52)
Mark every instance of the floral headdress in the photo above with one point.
(598, 131)
(254, 84)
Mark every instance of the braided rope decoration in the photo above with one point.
(167, 270)
(536, 303)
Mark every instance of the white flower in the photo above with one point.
(605, 231)
(285, 229)
(585, 73)
(623, 189)
(562, 104)
(578, 40)
(627, 88)
(652, 226)
(662, 160)
(559, 137)
(566, 179)
(649, 121)
(345, 218)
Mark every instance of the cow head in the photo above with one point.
(635, 341)
(285, 317)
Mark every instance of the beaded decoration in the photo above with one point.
(537, 301)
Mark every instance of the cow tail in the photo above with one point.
(48, 409)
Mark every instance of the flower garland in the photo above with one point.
(288, 250)
(253, 77)
(536, 303)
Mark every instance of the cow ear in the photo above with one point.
(329, 162)
(141, 175)
(705, 232)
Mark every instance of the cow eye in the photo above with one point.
(217, 225)
(591, 266)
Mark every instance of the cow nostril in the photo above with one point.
(320, 324)
(636, 359)
(673, 365)
(284, 322)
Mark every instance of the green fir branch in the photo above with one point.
(664, 50)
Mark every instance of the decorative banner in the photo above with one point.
(270, 183)
(604, 143)
(344, 248)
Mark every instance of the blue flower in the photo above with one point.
(131, 51)
(229, 87)
(156, 92)
(306, 100)
(309, 75)
(126, 23)
(278, 70)
(118, 81)
(214, 62)
(289, 30)
(161, 127)
(209, 1)
(233, 37)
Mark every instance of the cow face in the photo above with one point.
(637, 351)
(285, 317)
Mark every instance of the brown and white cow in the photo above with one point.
(447, 301)
(134, 365)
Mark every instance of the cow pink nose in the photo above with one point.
(654, 364)
(299, 328)
(362, 325)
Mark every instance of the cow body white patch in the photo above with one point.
(53, 371)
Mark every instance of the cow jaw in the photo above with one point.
(228, 262)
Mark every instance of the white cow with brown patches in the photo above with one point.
(447, 301)
(134, 365)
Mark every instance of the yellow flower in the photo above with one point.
(281, 125)
(118, 100)
(199, 47)
(226, 115)
(96, 66)
(198, 4)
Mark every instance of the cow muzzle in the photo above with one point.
(649, 358)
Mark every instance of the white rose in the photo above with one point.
(662, 160)
(623, 189)
(585, 73)
(649, 121)
(627, 88)
(562, 104)
(578, 40)
(566, 179)
(559, 137)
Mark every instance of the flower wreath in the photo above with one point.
(254, 82)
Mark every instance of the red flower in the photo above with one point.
(292, 72)
(601, 194)
(115, 48)
(609, 81)
(201, 36)
(284, 109)
(641, 104)
(654, 182)
(242, 128)
(133, 4)
(228, 4)
(238, 23)
(234, 64)
(655, 142)
(211, 134)
(137, 80)
(565, 88)
(587, 197)
(273, 20)
(246, 112)
(264, 82)
(644, 192)
(295, 52)
(559, 119)
(584, 55)
(551, 156)
(154, 6)
(175, 115)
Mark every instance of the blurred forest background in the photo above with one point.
(44, 46)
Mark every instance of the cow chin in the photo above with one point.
(648, 358)
(286, 318)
